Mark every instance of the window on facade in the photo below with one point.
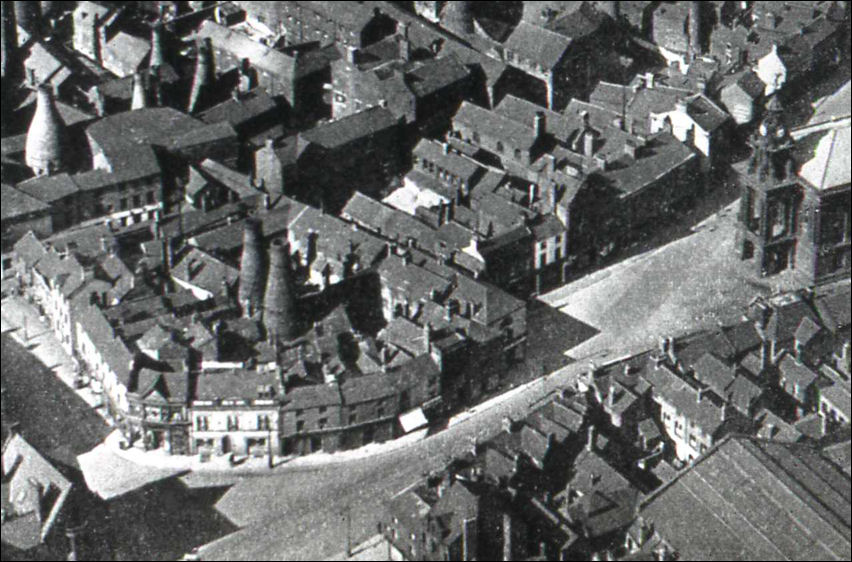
(137, 200)
(149, 197)
(300, 425)
(353, 418)
(475, 137)
(778, 219)
(123, 203)
(499, 147)
(380, 412)
(322, 409)
(322, 423)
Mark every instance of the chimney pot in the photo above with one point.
(540, 124)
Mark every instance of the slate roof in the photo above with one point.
(239, 183)
(46, 66)
(796, 374)
(538, 45)
(49, 188)
(23, 467)
(351, 128)
(234, 384)
(664, 154)
(456, 164)
(672, 389)
(494, 125)
(828, 168)
(242, 111)
(835, 310)
(434, 75)
(368, 388)
(747, 81)
(16, 203)
(755, 500)
(312, 396)
(127, 53)
(203, 270)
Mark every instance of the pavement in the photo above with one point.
(23, 323)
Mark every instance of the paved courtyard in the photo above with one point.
(693, 283)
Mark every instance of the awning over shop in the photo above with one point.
(412, 420)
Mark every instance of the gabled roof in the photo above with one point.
(493, 124)
(36, 488)
(755, 500)
(537, 46)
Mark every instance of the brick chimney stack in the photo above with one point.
(540, 124)
(203, 77)
(157, 56)
(45, 146)
(251, 269)
(140, 94)
(8, 39)
(695, 30)
(279, 307)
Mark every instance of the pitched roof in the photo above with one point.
(351, 128)
(49, 188)
(25, 468)
(829, 168)
(835, 310)
(368, 388)
(435, 74)
(125, 53)
(241, 46)
(491, 123)
(16, 203)
(234, 384)
(242, 110)
(676, 391)
(539, 46)
(755, 500)
(747, 81)
(239, 183)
